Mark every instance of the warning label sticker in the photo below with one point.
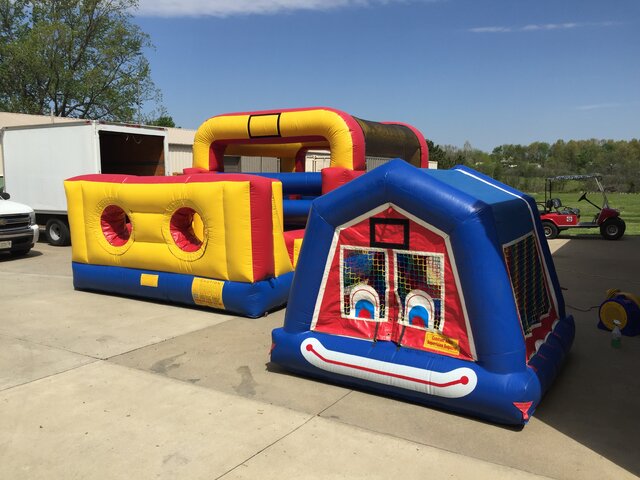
(440, 343)
(207, 292)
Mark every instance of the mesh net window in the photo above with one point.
(361, 265)
(422, 272)
(527, 280)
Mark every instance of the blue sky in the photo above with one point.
(485, 71)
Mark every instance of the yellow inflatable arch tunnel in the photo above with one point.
(289, 134)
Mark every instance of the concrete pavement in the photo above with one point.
(98, 386)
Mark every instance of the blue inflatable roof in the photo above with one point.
(443, 198)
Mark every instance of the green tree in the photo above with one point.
(526, 167)
(436, 153)
(538, 153)
(74, 58)
(162, 121)
(452, 156)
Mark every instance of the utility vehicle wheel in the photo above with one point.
(613, 228)
(550, 230)
(58, 232)
(21, 252)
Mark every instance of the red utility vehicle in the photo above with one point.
(556, 217)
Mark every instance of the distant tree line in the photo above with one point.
(525, 167)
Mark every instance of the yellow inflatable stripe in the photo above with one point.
(198, 227)
(209, 203)
(297, 245)
(237, 225)
(325, 123)
(277, 205)
(148, 280)
(76, 221)
(217, 128)
(282, 264)
(264, 125)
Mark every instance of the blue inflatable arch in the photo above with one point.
(433, 286)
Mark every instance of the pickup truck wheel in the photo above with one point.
(58, 232)
(613, 228)
(550, 230)
(21, 252)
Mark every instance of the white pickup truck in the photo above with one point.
(18, 228)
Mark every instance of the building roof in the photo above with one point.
(178, 136)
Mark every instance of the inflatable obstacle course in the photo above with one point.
(206, 240)
(218, 240)
(433, 286)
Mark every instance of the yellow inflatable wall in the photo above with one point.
(147, 223)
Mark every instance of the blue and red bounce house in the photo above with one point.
(433, 286)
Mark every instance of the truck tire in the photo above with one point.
(613, 228)
(550, 230)
(21, 252)
(58, 232)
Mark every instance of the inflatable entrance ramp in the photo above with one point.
(208, 240)
(433, 286)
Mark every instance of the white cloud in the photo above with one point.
(225, 8)
(541, 27)
(597, 106)
(490, 29)
(549, 26)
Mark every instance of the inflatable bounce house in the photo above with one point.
(433, 286)
(217, 240)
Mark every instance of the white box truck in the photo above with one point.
(38, 158)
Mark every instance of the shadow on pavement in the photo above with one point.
(596, 396)
(7, 257)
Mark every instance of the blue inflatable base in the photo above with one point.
(248, 299)
(381, 367)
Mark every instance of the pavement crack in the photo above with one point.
(284, 436)
(54, 347)
(267, 447)
(337, 401)
(3, 390)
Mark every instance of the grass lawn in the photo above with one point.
(627, 203)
